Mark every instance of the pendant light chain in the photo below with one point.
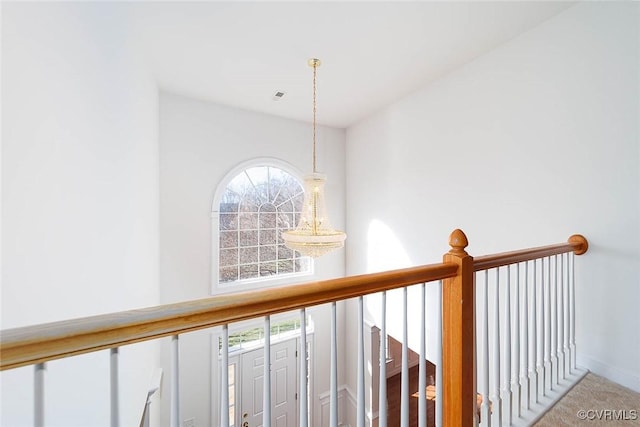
(314, 235)
(315, 69)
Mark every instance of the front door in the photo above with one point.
(283, 385)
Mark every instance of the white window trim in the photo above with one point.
(256, 283)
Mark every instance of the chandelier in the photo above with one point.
(314, 235)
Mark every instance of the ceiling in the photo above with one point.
(373, 53)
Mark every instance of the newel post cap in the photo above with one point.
(458, 241)
(580, 243)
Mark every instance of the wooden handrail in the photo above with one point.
(458, 320)
(576, 243)
(41, 343)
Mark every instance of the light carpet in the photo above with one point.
(595, 401)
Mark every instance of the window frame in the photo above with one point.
(258, 282)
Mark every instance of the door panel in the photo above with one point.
(281, 421)
(283, 385)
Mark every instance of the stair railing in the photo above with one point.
(456, 394)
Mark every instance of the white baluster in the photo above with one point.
(224, 379)
(175, 381)
(38, 391)
(547, 329)
(567, 354)
(266, 393)
(439, 378)
(561, 372)
(540, 334)
(497, 399)
(485, 414)
(572, 312)
(360, 421)
(422, 379)
(333, 381)
(524, 373)
(304, 380)
(114, 394)
(507, 379)
(516, 345)
(554, 324)
(533, 336)
(404, 376)
(382, 400)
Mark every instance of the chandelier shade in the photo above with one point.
(314, 235)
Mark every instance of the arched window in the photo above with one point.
(255, 207)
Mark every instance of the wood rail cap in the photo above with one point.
(581, 242)
(458, 241)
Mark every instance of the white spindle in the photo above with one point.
(561, 372)
(540, 334)
(572, 312)
(404, 377)
(175, 381)
(533, 336)
(333, 381)
(114, 399)
(516, 345)
(422, 379)
(485, 414)
(524, 373)
(497, 399)
(360, 421)
(547, 329)
(507, 389)
(567, 353)
(439, 378)
(554, 324)
(382, 400)
(266, 393)
(304, 409)
(224, 379)
(38, 388)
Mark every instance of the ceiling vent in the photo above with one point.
(278, 96)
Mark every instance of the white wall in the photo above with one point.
(80, 184)
(523, 146)
(79, 198)
(200, 142)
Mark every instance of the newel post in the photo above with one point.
(458, 335)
